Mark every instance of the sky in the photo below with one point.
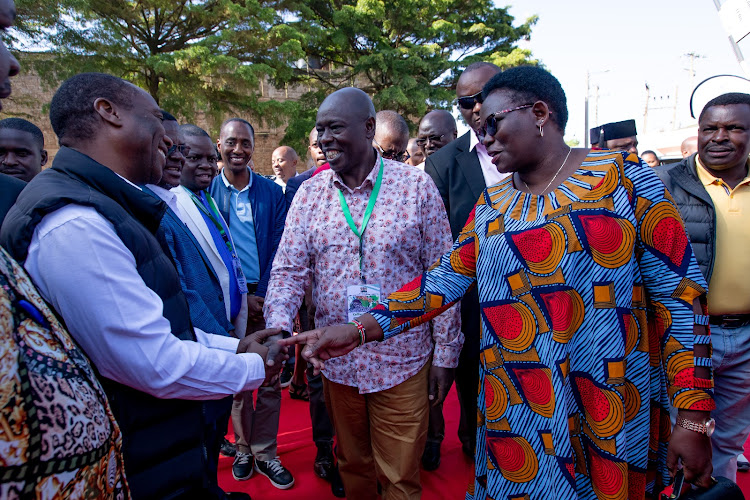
(625, 45)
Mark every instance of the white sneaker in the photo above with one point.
(742, 463)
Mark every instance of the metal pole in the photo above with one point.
(586, 113)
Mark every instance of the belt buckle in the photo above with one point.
(732, 322)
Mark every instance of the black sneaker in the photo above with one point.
(286, 375)
(275, 472)
(227, 448)
(242, 468)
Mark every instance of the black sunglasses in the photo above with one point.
(394, 155)
(490, 124)
(469, 101)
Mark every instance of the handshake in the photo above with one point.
(265, 343)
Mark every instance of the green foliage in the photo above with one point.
(407, 54)
(197, 58)
(212, 58)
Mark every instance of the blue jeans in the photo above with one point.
(731, 363)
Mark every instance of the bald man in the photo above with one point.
(284, 164)
(689, 146)
(436, 129)
(391, 135)
(378, 394)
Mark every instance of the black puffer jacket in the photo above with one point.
(696, 208)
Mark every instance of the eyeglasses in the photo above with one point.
(469, 101)
(394, 155)
(433, 139)
(490, 124)
(184, 149)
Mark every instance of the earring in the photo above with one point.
(541, 131)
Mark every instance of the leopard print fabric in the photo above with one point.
(58, 437)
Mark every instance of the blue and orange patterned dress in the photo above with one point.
(586, 300)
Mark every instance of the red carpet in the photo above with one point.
(297, 453)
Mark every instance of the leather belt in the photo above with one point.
(730, 320)
(252, 288)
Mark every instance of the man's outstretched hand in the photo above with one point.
(325, 343)
(265, 343)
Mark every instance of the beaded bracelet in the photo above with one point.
(361, 330)
(700, 319)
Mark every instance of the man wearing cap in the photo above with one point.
(712, 190)
(618, 136)
(594, 138)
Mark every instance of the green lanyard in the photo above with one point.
(359, 233)
(213, 216)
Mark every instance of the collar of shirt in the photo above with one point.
(707, 178)
(370, 179)
(473, 141)
(229, 185)
(489, 171)
(166, 196)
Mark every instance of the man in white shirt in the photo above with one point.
(85, 232)
(284, 164)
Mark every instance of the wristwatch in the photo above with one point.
(707, 428)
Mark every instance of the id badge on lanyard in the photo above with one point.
(360, 299)
(364, 296)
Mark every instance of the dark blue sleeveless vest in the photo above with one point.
(163, 439)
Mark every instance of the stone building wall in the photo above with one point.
(30, 100)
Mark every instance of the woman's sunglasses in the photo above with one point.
(490, 124)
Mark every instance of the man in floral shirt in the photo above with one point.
(399, 213)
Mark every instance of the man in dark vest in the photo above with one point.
(85, 232)
(712, 190)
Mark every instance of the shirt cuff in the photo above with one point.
(446, 356)
(221, 342)
(256, 370)
(277, 321)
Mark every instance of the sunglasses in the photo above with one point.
(469, 101)
(393, 155)
(184, 149)
(490, 124)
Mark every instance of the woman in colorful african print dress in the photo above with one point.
(590, 309)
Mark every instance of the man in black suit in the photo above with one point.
(461, 170)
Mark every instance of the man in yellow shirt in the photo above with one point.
(712, 190)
